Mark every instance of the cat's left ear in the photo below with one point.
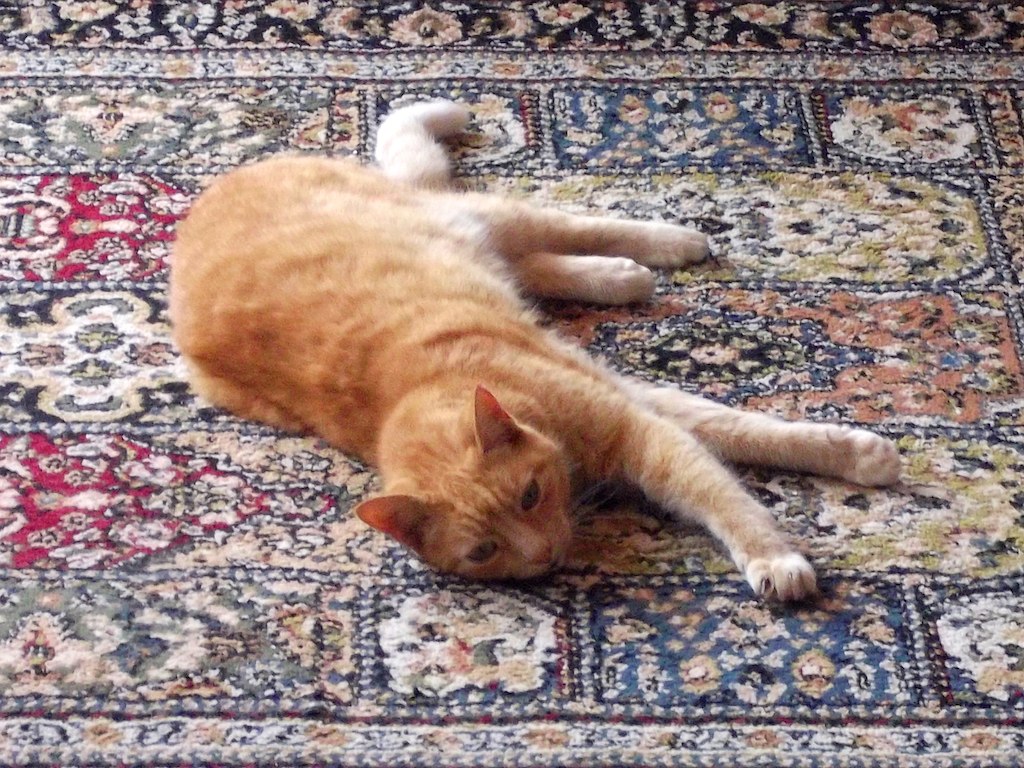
(404, 518)
(494, 426)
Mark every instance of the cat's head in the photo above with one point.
(495, 508)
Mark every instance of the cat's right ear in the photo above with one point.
(495, 428)
(403, 518)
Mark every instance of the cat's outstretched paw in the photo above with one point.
(787, 577)
(870, 459)
(618, 280)
(674, 246)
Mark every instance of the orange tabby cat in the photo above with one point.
(383, 312)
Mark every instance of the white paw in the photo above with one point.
(787, 577)
(870, 459)
(673, 246)
(619, 280)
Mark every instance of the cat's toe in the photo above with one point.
(690, 248)
(787, 577)
(697, 247)
(677, 246)
(872, 460)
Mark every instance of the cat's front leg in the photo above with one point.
(673, 469)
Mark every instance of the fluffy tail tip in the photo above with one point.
(407, 141)
(440, 118)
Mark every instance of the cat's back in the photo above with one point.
(323, 235)
(292, 212)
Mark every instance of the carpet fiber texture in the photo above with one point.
(179, 587)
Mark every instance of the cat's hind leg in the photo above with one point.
(518, 229)
(593, 279)
(744, 437)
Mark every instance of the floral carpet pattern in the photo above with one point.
(179, 587)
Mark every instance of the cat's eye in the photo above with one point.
(482, 552)
(530, 496)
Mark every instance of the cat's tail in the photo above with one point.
(408, 146)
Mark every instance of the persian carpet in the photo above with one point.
(179, 587)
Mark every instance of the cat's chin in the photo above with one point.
(513, 572)
(517, 577)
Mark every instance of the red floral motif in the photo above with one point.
(86, 227)
(87, 502)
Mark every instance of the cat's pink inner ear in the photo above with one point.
(494, 427)
(401, 517)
